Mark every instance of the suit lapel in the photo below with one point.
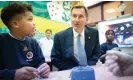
(88, 41)
(70, 37)
(71, 43)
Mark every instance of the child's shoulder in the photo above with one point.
(105, 43)
(4, 35)
(30, 39)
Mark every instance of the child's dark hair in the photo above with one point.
(107, 32)
(12, 9)
(48, 30)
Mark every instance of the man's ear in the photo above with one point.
(86, 20)
(14, 24)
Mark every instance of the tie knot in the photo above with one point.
(79, 35)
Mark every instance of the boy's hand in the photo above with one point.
(25, 73)
(44, 70)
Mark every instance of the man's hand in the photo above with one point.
(44, 70)
(119, 63)
(25, 73)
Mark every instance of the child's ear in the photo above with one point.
(14, 23)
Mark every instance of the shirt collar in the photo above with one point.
(46, 38)
(14, 37)
(76, 34)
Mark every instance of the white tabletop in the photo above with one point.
(101, 73)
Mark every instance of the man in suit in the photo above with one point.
(64, 52)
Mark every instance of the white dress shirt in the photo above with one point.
(46, 46)
(82, 38)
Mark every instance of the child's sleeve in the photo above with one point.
(103, 49)
(39, 55)
(5, 74)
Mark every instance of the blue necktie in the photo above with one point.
(81, 52)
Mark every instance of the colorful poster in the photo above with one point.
(59, 11)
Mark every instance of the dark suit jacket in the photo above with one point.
(62, 55)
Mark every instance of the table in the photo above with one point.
(101, 73)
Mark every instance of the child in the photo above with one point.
(108, 45)
(20, 56)
(47, 49)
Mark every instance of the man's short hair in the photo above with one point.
(79, 7)
(13, 9)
